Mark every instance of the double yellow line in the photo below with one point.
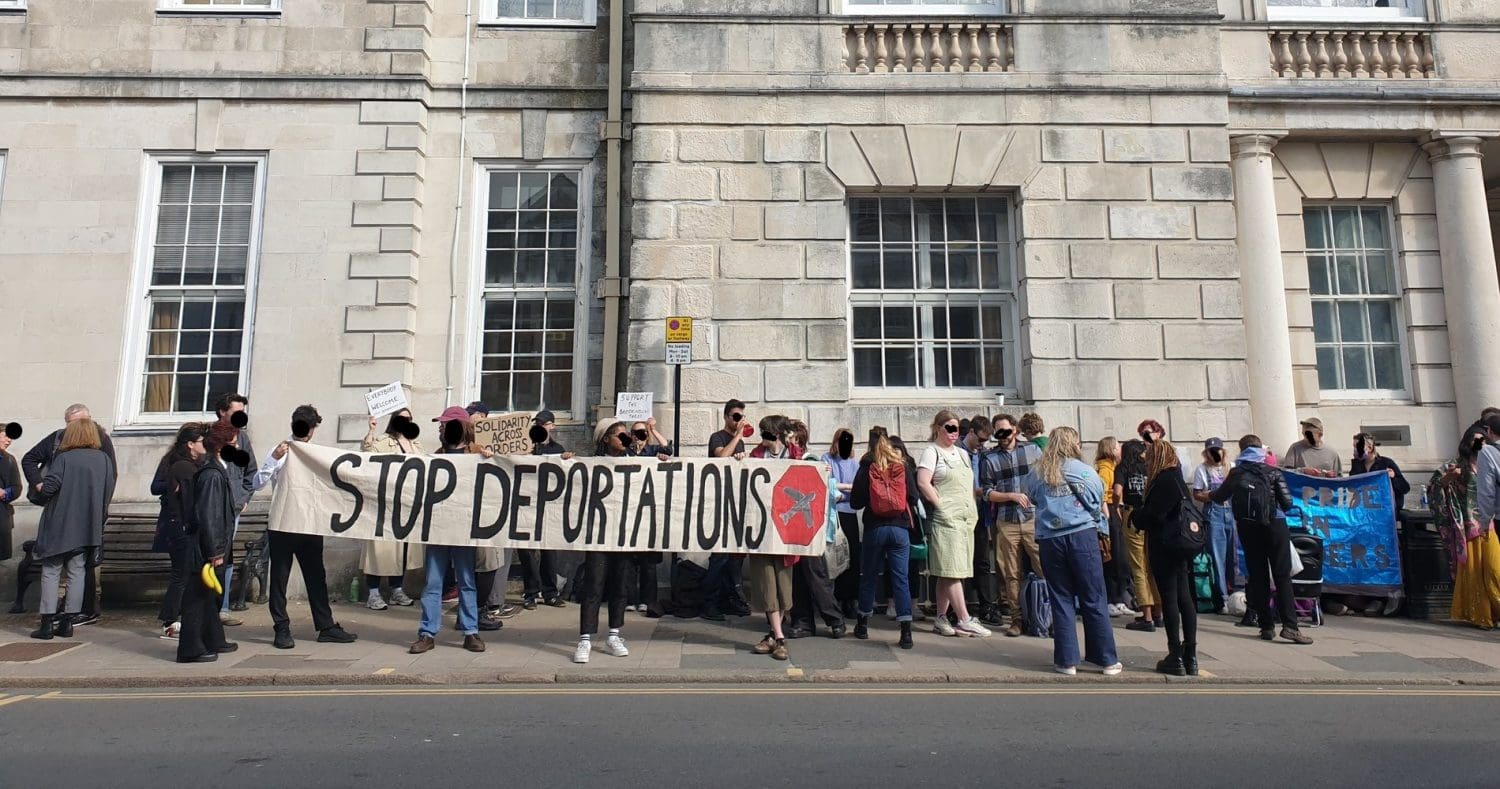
(759, 690)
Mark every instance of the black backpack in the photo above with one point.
(1188, 535)
(1254, 500)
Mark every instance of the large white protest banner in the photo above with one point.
(592, 504)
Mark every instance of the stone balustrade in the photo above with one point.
(1351, 54)
(934, 47)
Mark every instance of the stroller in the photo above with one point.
(1307, 586)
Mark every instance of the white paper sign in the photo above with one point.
(633, 406)
(386, 400)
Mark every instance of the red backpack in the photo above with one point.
(888, 491)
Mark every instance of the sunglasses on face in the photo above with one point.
(617, 437)
(640, 434)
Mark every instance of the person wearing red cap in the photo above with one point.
(456, 435)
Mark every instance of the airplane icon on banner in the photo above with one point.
(801, 505)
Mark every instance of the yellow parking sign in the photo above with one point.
(679, 330)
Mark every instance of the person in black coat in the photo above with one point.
(211, 515)
(1166, 496)
(1268, 546)
(173, 473)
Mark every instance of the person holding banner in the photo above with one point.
(539, 576)
(647, 441)
(721, 584)
(604, 572)
(1473, 548)
(384, 559)
(456, 438)
(771, 575)
(306, 549)
(1259, 498)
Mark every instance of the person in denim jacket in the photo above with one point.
(1069, 499)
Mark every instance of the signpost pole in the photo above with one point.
(677, 410)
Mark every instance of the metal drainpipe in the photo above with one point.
(612, 285)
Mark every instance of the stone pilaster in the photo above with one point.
(1273, 402)
(1471, 289)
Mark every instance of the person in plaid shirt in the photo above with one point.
(1003, 473)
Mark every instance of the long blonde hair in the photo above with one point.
(1160, 457)
(1062, 445)
(1108, 446)
(884, 453)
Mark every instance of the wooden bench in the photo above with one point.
(128, 555)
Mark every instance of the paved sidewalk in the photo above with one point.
(537, 646)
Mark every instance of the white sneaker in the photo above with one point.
(1126, 610)
(1114, 610)
(581, 654)
(398, 597)
(171, 631)
(616, 646)
(1112, 670)
(943, 627)
(973, 628)
(1066, 671)
(376, 602)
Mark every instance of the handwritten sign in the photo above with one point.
(633, 406)
(504, 434)
(387, 399)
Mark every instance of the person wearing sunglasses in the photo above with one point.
(722, 581)
(946, 480)
(771, 575)
(604, 572)
(644, 440)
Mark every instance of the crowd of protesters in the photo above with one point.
(1012, 526)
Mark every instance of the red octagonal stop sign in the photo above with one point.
(799, 505)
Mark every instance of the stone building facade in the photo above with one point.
(1222, 214)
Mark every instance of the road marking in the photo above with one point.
(186, 695)
(8, 700)
(384, 671)
(795, 673)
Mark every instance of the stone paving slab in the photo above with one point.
(537, 646)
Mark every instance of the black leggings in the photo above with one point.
(1174, 579)
(484, 585)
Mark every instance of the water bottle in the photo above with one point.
(1424, 496)
(354, 589)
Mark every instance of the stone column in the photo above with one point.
(1268, 352)
(1471, 288)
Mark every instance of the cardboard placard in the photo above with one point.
(386, 400)
(633, 406)
(504, 434)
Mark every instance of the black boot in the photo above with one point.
(44, 630)
(64, 626)
(862, 628)
(1190, 659)
(905, 642)
(1171, 665)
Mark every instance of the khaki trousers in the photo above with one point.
(1010, 539)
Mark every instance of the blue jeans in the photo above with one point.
(439, 557)
(1221, 540)
(1075, 569)
(892, 544)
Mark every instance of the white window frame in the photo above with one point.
(991, 8)
(1286, 13)
(933, 393)
(1398, 300)
(129, 411)
(181, 7)
(7, 6)
(577, 410)
(490, 15)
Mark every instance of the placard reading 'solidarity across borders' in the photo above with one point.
(593, 504)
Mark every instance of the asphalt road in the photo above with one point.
(751, 736)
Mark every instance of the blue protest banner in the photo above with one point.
(1356, 517)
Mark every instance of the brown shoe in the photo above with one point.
(1016, 626)
(780, 652)
(765, 646)
(1295, 636)
(473, 643)
(422, 644)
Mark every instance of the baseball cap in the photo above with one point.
(478, 407)
(1313, 422)
(543, 417)
(453, 412)
(1214, 443)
